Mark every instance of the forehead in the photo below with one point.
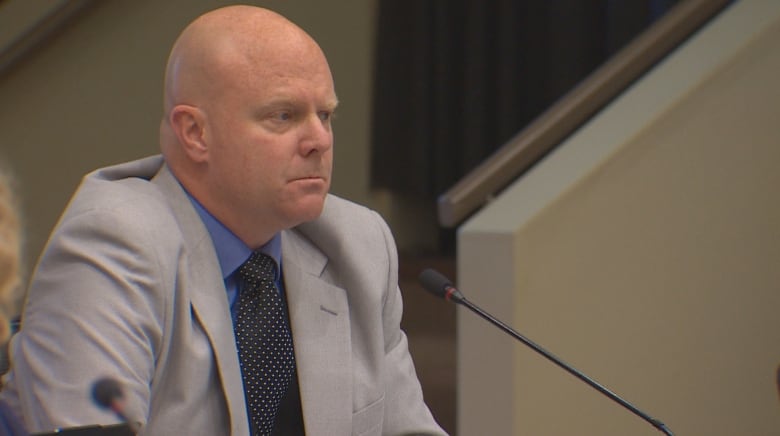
(283, 74)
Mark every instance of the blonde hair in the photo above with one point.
(9, 253)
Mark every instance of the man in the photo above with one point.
(144, 279)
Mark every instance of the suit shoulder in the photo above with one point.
(336, 204)
(119, 201)
(349, 230)
(344, 216)
(120, 187)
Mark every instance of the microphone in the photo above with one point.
(437, 284)
(108, 394)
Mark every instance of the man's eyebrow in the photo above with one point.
(277, 101)
(272, 102)
(332, 103)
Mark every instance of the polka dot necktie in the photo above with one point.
(264, 342)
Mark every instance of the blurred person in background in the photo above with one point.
(10, 283)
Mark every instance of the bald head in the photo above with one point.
(249, 99)
(218, 50)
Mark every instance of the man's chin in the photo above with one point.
(307, 210)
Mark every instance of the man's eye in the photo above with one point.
(283, 116)
(326, 115)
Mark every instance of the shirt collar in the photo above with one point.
(232, 251)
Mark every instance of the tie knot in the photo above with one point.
(259, 267)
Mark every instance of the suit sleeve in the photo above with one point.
(95, 308)
(405, 410)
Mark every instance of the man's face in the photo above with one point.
(271, 142)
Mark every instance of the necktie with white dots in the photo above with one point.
(265, 347)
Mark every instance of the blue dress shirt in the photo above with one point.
(232, 252)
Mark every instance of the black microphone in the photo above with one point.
(437, 284)
(108, 394)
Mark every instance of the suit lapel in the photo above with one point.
(208, 298)
(319, 317)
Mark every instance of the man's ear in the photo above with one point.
(188, 124)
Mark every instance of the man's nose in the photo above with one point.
(317, 135)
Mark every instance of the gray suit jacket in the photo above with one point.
(129, 287)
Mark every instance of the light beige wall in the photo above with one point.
(92, 96)
(645, 252)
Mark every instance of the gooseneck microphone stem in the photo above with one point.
(442, 287)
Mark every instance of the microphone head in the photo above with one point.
(435, 283)
(106, 391)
